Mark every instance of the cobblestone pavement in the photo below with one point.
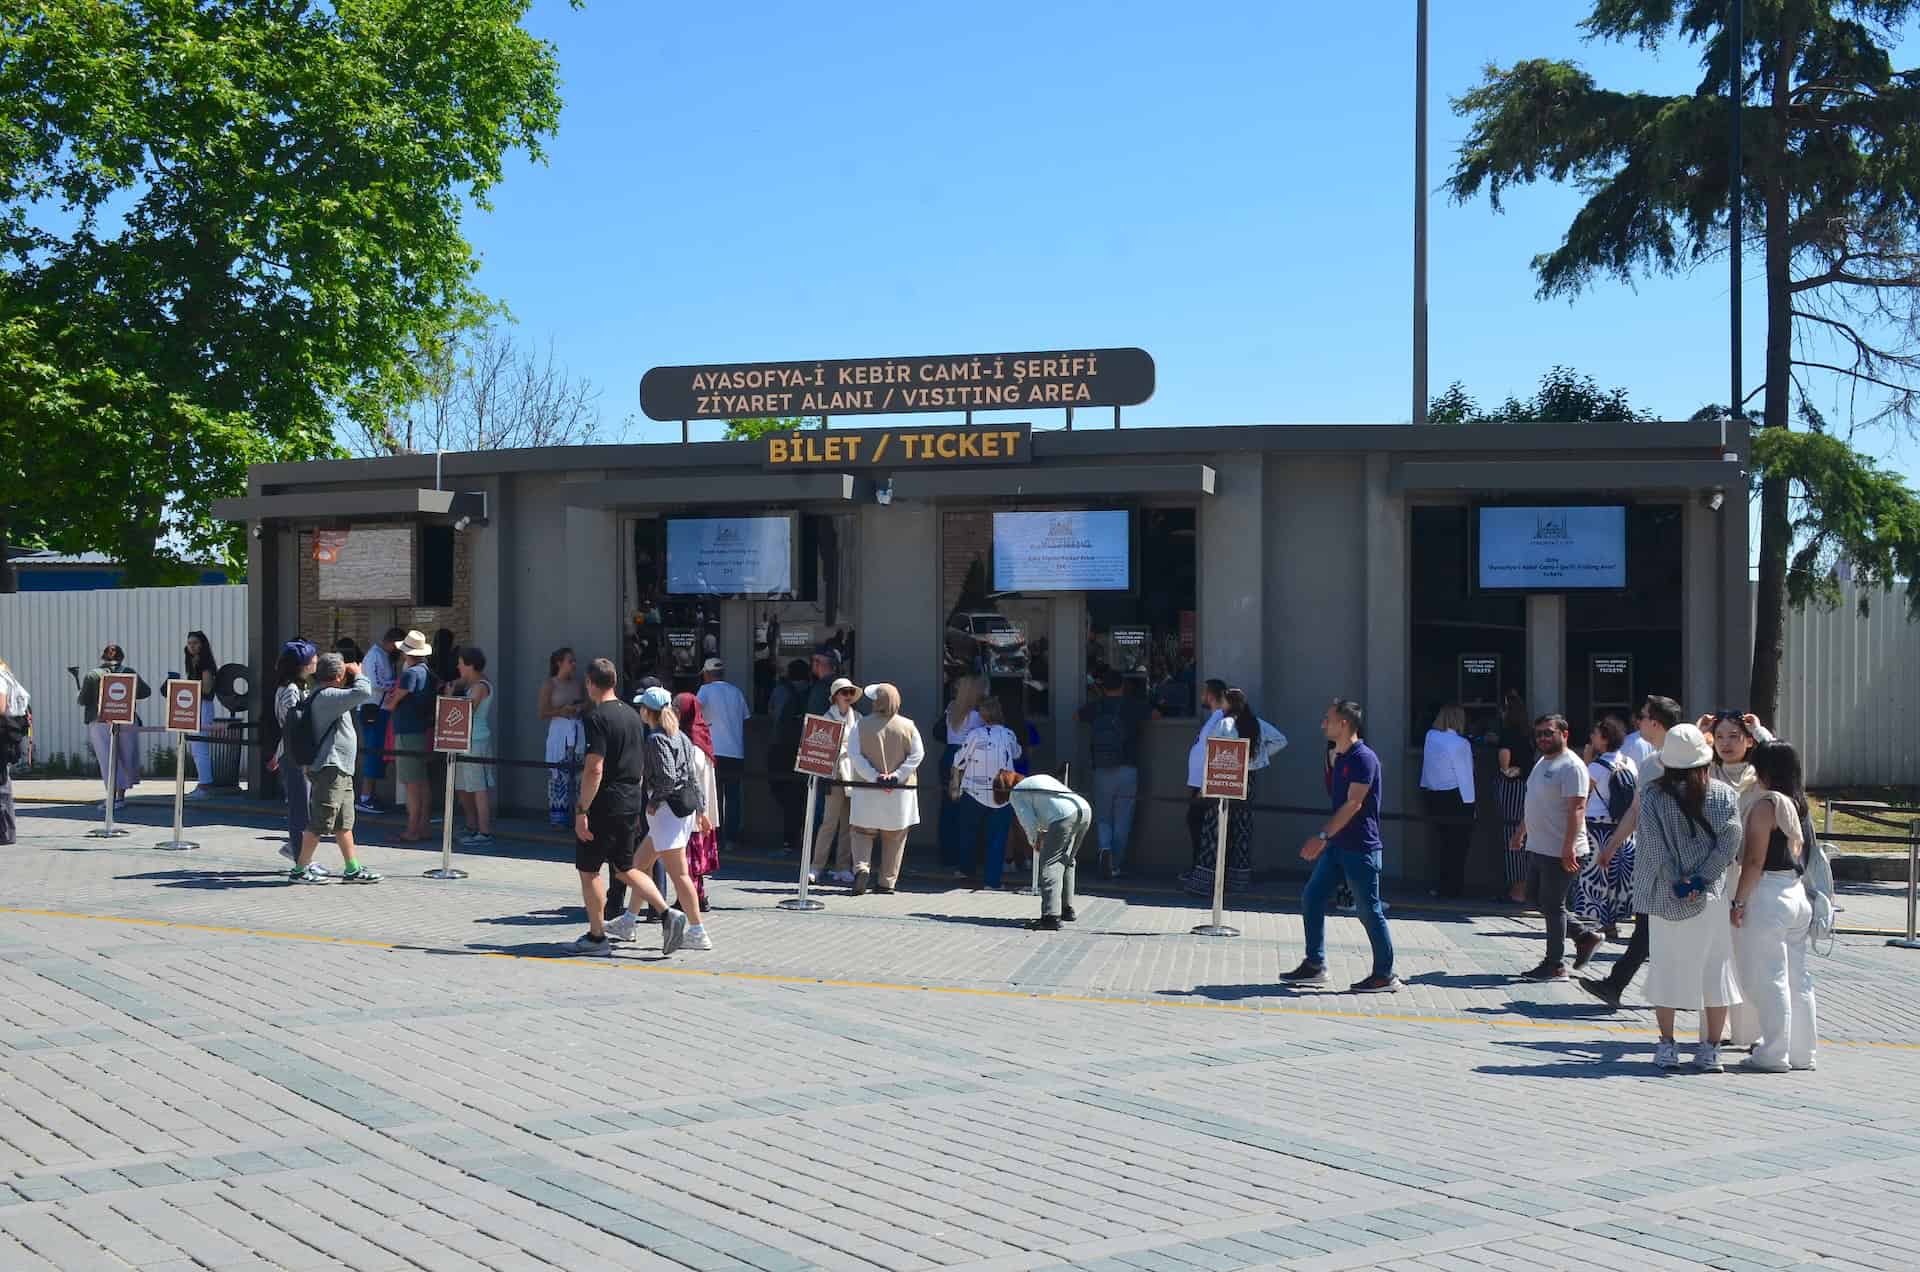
(203, 1067)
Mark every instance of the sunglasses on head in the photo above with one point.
(1734, 716)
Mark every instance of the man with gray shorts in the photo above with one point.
(342, 690)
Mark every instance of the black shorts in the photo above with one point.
(615, 837)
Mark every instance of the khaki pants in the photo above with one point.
(833, 822)
(893, 846)
(1059, 849)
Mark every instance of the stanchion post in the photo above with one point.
(179, 842)
(802, 901)
(446, 870)
(1219, 926)
(107, 830)
(1826, 817)
(1911, 941)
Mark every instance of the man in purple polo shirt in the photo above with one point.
(1348, 846)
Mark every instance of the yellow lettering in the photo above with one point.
(907, 440)
(776, 450)
(947, 448)
(1012, 439)
(853, 448)
(989, 445)
(969, 446)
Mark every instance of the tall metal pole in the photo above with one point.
(1736, 91)
(1420, 217)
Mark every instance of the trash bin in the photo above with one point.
(226, 755)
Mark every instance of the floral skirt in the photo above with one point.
(1604, 895)
(1199, 879)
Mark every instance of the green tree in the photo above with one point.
(755, 428)
(226, 228)
(1564, 397)
(1831, 153)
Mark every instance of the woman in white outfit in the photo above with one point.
(675, 800)
(1772, 915)
(1688, 837)
(886, 750)
(835, 826)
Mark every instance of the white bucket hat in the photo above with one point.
(1685, 748)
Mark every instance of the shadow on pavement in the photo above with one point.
(1590, 1059)
(1447, 980)
(214, 880)
(1227, 993)
(972, 920)
(539, 918)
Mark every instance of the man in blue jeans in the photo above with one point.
(1348, 846)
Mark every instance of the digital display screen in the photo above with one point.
(1062, 551)
(1552, 549)
(730, 556)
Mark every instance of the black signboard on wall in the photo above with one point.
(1479, 680)
(1610, 680)
(898, 386)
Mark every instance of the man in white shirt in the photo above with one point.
(13, 740)
(377, 667)
(1213, 698)
(726, 710)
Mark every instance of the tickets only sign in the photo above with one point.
(183, 706)
(820, 741)
(117, 691)
(452, 724)
(1226, 775)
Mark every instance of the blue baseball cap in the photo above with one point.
(656, 699)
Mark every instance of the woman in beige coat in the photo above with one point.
(886, 750)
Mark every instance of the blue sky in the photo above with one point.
(1229, 188)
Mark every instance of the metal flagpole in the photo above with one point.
(1736, 92)
(1420, 216)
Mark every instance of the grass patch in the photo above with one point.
(1848, 822)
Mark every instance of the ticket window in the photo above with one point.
(670, 635)
(1467, 646)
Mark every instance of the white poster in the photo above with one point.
(365, 563)
(1061, 552)
(1553, 549)
(727, 556)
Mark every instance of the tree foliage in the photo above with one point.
(753, 429)
(1564, 397)
(488, 390)
(1830, 152)
(224, 228)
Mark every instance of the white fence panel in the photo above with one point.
(1850, 692)
(44, 633)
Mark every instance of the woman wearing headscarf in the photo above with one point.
(703, 846)
(202, 666)
(887, 751)
(292, 681)
(1237, 720)
(1687, 838)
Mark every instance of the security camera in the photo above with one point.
(883, 495)
(1717, 498)
(463, 523)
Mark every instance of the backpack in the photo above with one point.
(680, 796)
(1620, 791)
(302, 736)
(1109, 734)
(13, 739)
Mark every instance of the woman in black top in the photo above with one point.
(1772, 915)
(1515, 762)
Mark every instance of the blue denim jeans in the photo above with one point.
(1362, 871)
(1115, 793)
(969, 815)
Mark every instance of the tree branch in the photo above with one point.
(1858, 375)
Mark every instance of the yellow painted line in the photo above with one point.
(776, 978)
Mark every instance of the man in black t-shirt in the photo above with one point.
(606, 821)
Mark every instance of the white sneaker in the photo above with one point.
(621, 929)
(1706, 1058)
(585, 945)
(1666, 1055)
(812, 878)
(697, 939)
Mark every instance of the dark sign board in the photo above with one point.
(683, 644)
(899, 447)
(452, 724)
(1225, 776)
(1610, 680)
(900, 386)
(820, 742)
(183, 706)
(1127, 648)
(1479, 680)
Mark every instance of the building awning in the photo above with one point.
(1558, 474)
(1110, 479)
(751, 488)
(342, 505)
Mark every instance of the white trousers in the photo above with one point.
(203, 751)
(1776, 988)
(126, 760)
